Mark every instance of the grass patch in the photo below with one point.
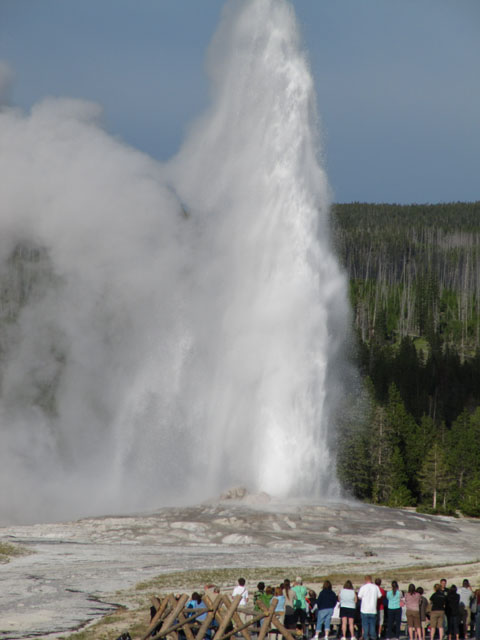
(135, 619)
(224, 578)
(113, 625)
(227, 578)
(8, 551)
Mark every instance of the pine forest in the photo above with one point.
(412, 436)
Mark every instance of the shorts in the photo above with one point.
(436, 620)
(413, 619)
(380, 617)
(347, 612)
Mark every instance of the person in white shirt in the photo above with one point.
(241, 590)
(368, 594)
(466, 596)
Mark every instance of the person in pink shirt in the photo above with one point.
(412, 605)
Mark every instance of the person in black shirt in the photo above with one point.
(443, 584)
(437, 614)
(453, 610)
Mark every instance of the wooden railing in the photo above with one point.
(223, 619)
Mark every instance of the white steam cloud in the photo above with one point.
(167, 331)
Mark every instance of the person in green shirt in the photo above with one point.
(300, 604)
(261, 595)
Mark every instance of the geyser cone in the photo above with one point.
(169, 331)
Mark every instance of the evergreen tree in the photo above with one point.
(390, 479)
(462, 451)
(470, 502)
(381, 448)
(427, 433)
(405, 436)
(353, 454)
(434, 476)
(398, 494)
(406, 374)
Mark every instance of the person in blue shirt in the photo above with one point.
(394, 617)
(196, 602)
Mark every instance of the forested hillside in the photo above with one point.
(415, 293)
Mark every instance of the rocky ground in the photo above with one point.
(78, 571)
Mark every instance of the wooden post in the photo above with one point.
(267, 621)
(241, 627)
(210, 615)
(226, 619)
(166, 631)
(220, 610)
(173, 615)
(160, 611)
(277, 624)
(185, 621)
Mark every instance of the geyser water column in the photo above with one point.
(268, 298)
(168, 331)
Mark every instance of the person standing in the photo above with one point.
(290, 597)
(348, 604)
(368, 595)
(280, 608)
(466, 596)
(477, 615)
(380, 607)
(300, 603)
(412, 604)
(260, 596)
(394, 615)
(423, 611)
(453, 610)
(437, 614)
(311, 612)
(326, 602)
(196, 602)
(241, 590)
(443, 585)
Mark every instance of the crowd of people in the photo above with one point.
(372, 612)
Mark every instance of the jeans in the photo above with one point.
(369, 621)
(323, 617)
(477, 624)
(394, 619)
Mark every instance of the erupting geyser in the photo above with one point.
(168, 331)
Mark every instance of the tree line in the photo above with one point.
(413, 436)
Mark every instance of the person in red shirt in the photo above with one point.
(380, 607)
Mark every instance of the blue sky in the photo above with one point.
(397, 81)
